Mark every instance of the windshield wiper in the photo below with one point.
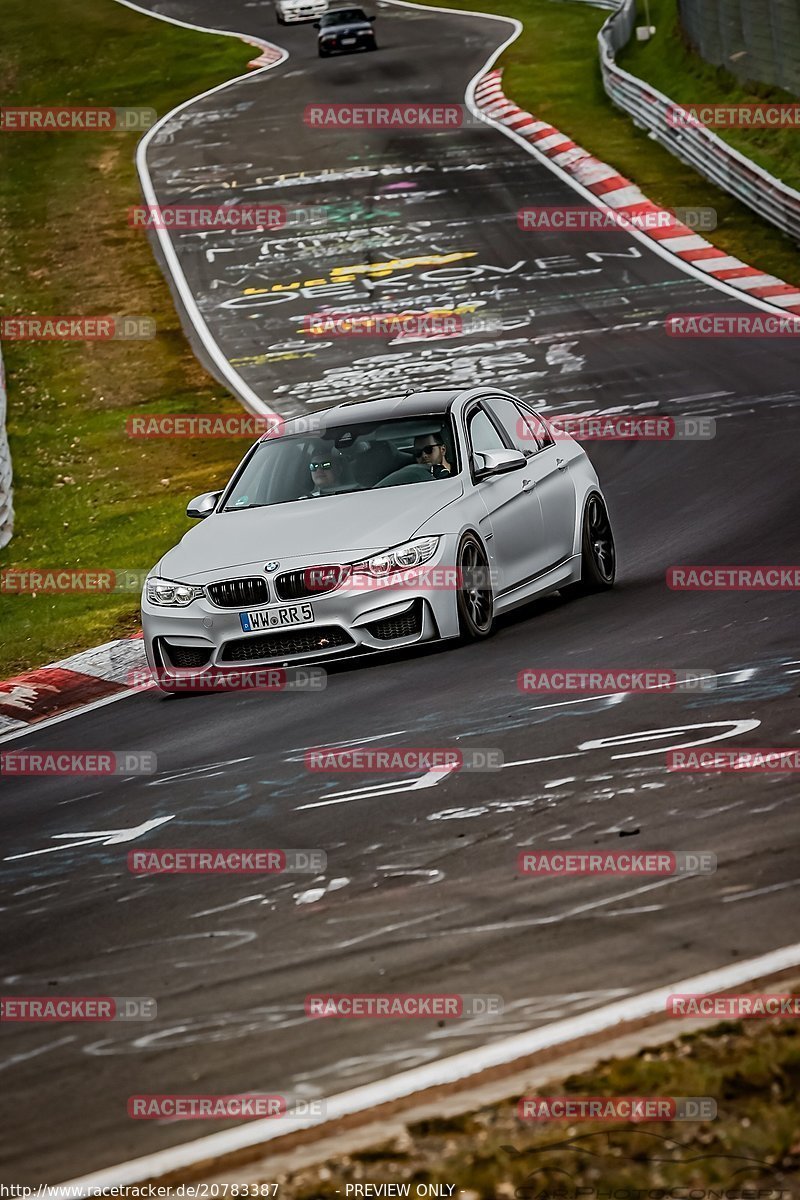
(242, 507)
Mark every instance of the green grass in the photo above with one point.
(87, 496)
(668, 63)
(552, 71)
(751, 1069)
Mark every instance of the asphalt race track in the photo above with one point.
(421, 891)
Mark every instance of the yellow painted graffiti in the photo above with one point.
(376, 270)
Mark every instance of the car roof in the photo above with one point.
(414, 404)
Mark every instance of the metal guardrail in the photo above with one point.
(696, 145)
(6, 491)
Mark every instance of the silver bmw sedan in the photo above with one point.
(376, 525)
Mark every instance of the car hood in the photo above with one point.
(326, 528)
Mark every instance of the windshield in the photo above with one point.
(342, 15)
(346, 458)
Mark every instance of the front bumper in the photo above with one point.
(348, 621)
(294, 16)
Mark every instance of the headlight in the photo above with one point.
(401, 558)
(171, 595)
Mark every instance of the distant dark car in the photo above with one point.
(343, 30)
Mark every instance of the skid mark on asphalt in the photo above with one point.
(424, 875)
(522, 1013)
(384, 930)
(405, 1050)
(568, 914)
(203, 771)
(112, 961)
(763, 891)
(208, 1030)
(15, 1059)
(299, 752)
(209, 912)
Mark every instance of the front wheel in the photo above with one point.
(474, 597)
(598, 553)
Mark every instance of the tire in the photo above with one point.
(598, 552)
(322, 53)
(474, 598)
(279, 18)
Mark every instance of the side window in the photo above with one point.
(525, 429)
(534, 428)
(482, 434)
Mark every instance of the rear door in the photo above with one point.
(548, 469)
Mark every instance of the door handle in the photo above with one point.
(562, 466)
(528, 485)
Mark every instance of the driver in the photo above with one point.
(326, 474)
(431, 452)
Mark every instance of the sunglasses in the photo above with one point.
(427, 449)
(320, 466)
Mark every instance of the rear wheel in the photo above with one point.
(474, 597)
(598, 553)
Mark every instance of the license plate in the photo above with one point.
(348, 41)
(277, 618)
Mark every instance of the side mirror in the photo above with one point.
(498, 462)
(202, 506)
(372, 18)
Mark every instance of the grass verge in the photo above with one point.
(552, 70)
(86, 495)
(751, 1069)
(669, 63)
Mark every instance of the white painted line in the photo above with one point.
(446, 1070)
(103, 837)
(240, 388)
(430, 779)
